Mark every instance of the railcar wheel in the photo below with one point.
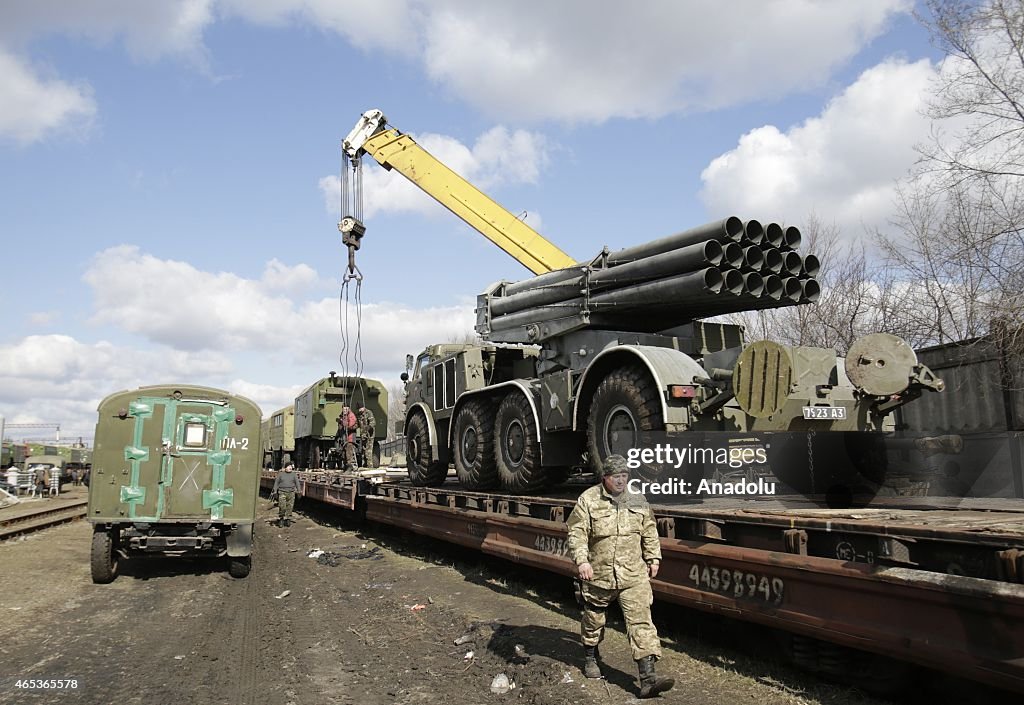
(517, 451)
(103, 560)
(473, 446)
(239, 566)
(423, 471)
(624, 412)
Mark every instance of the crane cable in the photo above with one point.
(353, 199)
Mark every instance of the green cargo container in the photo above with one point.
(316, 418)
(279, 441)
(175, 471)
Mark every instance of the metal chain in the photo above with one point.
(810, 456)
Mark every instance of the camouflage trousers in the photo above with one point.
(635, 602)
(285, 504)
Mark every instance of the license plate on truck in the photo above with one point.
(825, 413)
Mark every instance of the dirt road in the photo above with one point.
(372, 621)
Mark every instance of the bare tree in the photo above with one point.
(958, 247)
(978, 103)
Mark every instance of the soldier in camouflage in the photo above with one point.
(613, 539)
(367, 431)
(285, 485)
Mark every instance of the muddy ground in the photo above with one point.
(371, 622)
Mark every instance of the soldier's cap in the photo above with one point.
(614, 464)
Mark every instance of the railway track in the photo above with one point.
(43, 519)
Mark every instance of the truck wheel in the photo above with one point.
(423, 472)
(314, 463)
(473, 446)
(239, 566)
(516, 450)
(624, 411)
(103, 559)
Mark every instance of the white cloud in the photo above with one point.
(149, 29)
(34, 106)
(211, 328)
(367, 24)
(279, 277)
(268, 397)
(841, 165)
(583, 60)
(194, 310)
(497, 157)
(592, 60)
(58, 379)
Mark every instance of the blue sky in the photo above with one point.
(168, 167)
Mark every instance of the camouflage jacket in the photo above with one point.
(367, 422)
(618, 538)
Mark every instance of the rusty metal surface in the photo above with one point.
(973, 401)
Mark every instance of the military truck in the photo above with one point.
(317, 441)
(607, 355)
(175, 472)
(48, 461)
(279, 438)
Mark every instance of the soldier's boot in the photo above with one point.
(591, 667)
(650, 684)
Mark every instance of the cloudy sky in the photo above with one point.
(169, 168)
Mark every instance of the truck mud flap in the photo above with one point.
(239, 541)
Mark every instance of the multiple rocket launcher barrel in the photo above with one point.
(722, 267)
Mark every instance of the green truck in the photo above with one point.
(175, 472)
(316, 441)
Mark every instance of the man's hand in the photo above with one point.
(586, 571)
(652, 569)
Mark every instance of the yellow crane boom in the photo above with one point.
(394, 150)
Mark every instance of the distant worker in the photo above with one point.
(613, 539)
(74, 477)
(285, 485)
(347, 427)
(40, 480)
(54, 481)
(367, 431)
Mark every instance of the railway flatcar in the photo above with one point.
(175, 472)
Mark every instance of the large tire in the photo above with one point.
(516, 449)
(239, 566)
(473, 446)
(376, 455)
(103, 561)
(423, 471)
(624, 412)
(314, 462)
